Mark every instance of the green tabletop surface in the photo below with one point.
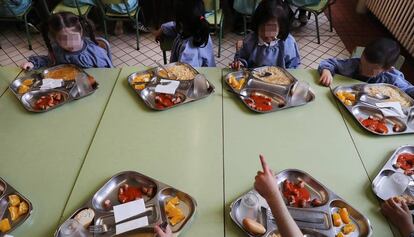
(181, 147)
(312, 138)
(7, 75)
(41, 154)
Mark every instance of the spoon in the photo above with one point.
(170, 75)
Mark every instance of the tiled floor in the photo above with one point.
(15, 49)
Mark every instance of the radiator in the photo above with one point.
(398, 17)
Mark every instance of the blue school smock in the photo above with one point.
(18, 7)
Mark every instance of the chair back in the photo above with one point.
(211, 5)
(103, 43)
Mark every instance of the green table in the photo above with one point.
(181, 147)
(7, 74)
(312, 138)
(41, 154)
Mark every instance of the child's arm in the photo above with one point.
(168, 29)
(398, 213)
(243, 53)
(329, 67)
(160, 233)
(36, 62)
(292, 57)
(266, 186)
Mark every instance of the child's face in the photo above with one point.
(368, 69)
(269, 31)
(69, 39)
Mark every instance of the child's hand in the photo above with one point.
(265, 183)
(398, 214)
(27, 66)
(239, 45)
(158, 35)
(236, 65)
(326, 77)
(160, 233)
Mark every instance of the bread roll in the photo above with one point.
(253, 227)
(85, 217)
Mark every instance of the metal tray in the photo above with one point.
(158, 69)
(29, 98)
(279, 94)
(311, 220)
(4, 205)
(365, 107)
(161, 194)
(184, 90)
(389, 169)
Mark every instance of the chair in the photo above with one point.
(215, 17)
(245, 16)
(316, 10)
(61, 7)
(103, 43)
(166, 45)
(131, 15)
(357, 53)
(19, 18)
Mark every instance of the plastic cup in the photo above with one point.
(249, 206)
(72, 228)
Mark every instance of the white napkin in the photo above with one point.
(131, 225)
(129, 209)
(395, 112)
(167, 86)
(51, 83)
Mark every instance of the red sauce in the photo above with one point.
(127, 193)
(259, 102)
(405, 161)
(296, 194)
(163, 101)
(49, 100)
(375, 125)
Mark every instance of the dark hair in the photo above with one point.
(190, 21)
(58, 21)
(272, 9)
(383, 51)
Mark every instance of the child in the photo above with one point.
(398, 214)
(374, 66)
(192, 43)
(70, 44)
(266, 185)
(270, 43)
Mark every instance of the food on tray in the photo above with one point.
(146, 77)
(348, 98)
(375, 124)
(1, 188)
(163, 101)
(336, 218)
(395, 95)
(5, 225)
(180, 72)
(149, 191)
(405, 161)
(128, 193)
(85, 217)
(348, 228)
(340, 234)
(23, 89)
(259, 102)
(17, 208)
(297, 195)
(272, 75)
(234, 83)
(65, 73)
(343, 212)
(49, 100)
(275, 235)
(28, 82)
(409, 200)
(253, 227)
(140, 86)
(174, 213)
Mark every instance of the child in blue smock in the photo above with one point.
(374, 66)
(9, 8)
(270, 43)
(192, 43)
(70, 44)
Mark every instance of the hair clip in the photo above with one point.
(202, 18)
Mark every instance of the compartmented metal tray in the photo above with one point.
(279, 94)
(365, 107)
(146, 89)
(391, 168)
(68, 91)
(316, 221)
(156, 202)
(5, 191)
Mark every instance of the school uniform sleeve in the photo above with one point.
(169, 30)
(244, 53)
(40, 61)
(346, 67)
(396, 78)
(94, 56)
(291, 52)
